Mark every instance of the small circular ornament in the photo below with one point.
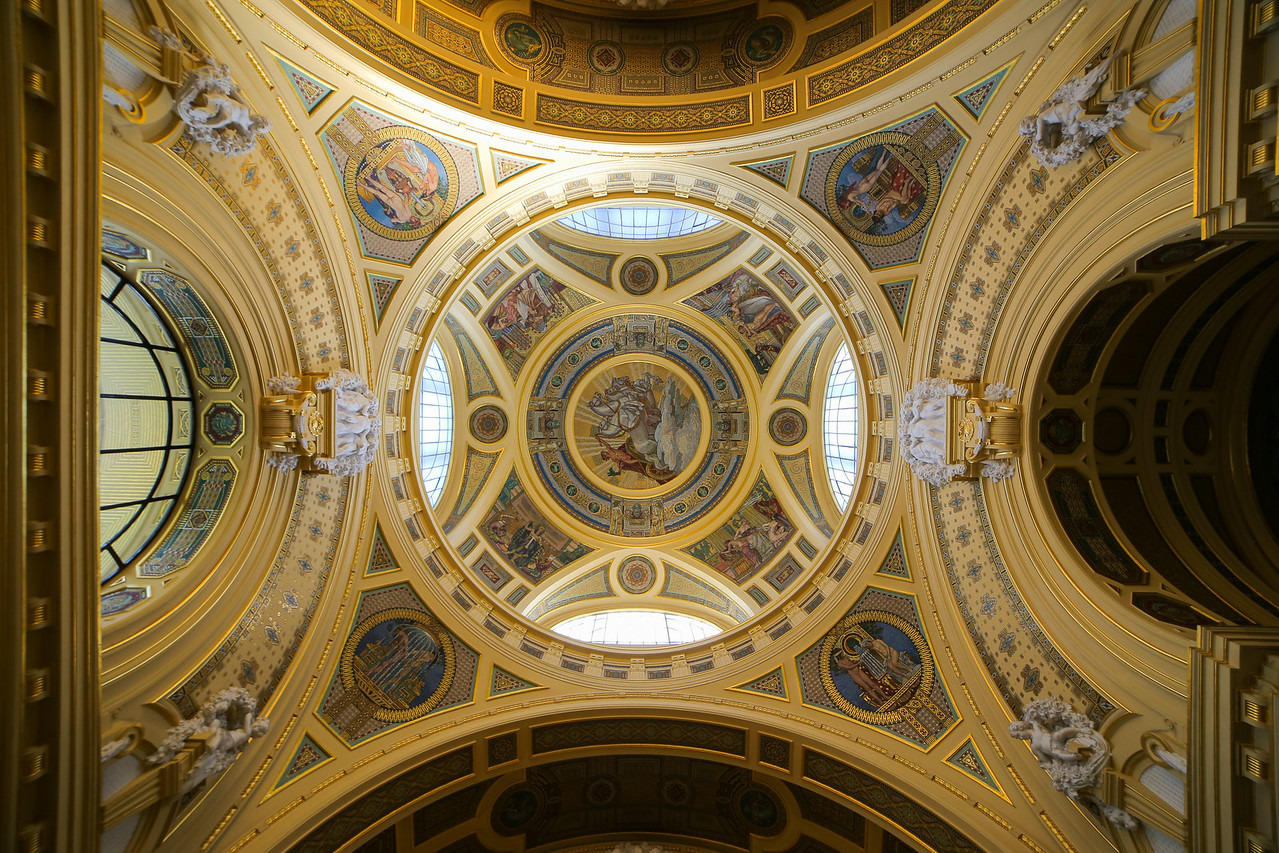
(639, 276)
(788, 426)
(488, 424)
(637, 575)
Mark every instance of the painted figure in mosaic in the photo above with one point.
(746, 306)
(879, 192)
(637, 433)
(525, 308)
(880, 661)
(400, 184)
(397, 661)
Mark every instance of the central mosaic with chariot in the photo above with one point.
(637, 425)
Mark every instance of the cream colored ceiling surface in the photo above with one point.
(639, 425)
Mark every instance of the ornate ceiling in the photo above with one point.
(639, 423)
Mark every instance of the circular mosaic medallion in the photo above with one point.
(401, 660)
(601, 791)
(639, 276)
(879, 191)
(223, 424)
(765, 44)
(788, 426)
(636, 575)
(515, 810)
(637, 425)
(680, 58)
(522, 41)
(401, 183)
(605, 57)
(761, 811)
(874, 664)
(488, 424)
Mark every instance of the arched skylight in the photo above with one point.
(636, 628)
(145, 412)
(639, 223)
(839, 424)
(435, 424)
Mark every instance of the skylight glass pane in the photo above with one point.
(636, 628)
(639, 223)
(840, 426)
(435, 424)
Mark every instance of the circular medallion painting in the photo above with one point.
(875, 664)
(760, 811)
(639, 276)
(638, 425)
(605, 57)
(680, 58)
(637, 575)
(788, 426)
(488, 424)
(513, 812)
(880, 191)
(401, 185)
(401, 660)
(764, 44)
(522, 41)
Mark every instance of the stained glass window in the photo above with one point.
(840, 425)
(146, 423)
(639, 223)
(636, 628)
(435, 424)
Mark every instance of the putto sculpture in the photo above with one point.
(1071, 750)
(1061, 130)
(224, 724)
(215, 111)
(947, 430)
(330, 422)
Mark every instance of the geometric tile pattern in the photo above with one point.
(380, 557)
(504, 682)
(770, 684)
(507, 166)
(898, 293)
(308, 756)
(894, 565)
(381, 288)
(776, 170)
(310, 89)
(977, 97)
(968, 759)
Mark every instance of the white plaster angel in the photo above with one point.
(230, 722)
(1068, 746)
(358, 423)
(1059, 132)
(921, 430)
(215, 110)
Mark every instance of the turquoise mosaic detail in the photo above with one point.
(209, 350)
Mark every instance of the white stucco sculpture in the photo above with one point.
(1071, 750)
(215, 110)
(946, 430)
(1059, 132)
(331, 421)
(227, 722)
(638, 847)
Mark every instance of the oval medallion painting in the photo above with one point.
(523, 41)
(637, 426)
(404, 185)
(875, 664)
(401, 660)
(880, 192)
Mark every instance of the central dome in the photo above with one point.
(645, 424)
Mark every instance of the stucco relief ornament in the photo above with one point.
(215, 110)
(225, 723)
(1061, 130)
(645, 5)
(329, 421)
(1071, 750)
(639, 847)
(948, 429)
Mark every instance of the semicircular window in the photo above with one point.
(435, 424)
(636, 628)
(840, 425)
(146, 412)
(639, 223)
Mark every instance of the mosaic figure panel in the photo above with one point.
(881, 190)
(524, 538)
(640, 427)
(637, 425)
(400, 182)
(757, 532)
(397, 664)
(875, 666)
(759, 321)
(525, 312)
